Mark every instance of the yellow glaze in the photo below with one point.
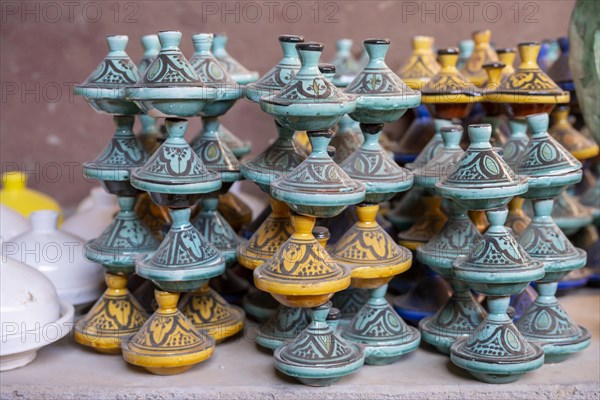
(449, 86)
(578, 145)
(422, 65)
(508, 59)
(18, 197)
(430, 223)
(517, 220)
(482, 54)
(115, 315)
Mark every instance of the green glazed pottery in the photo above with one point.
(281, 74)
(104, 89)
(482, 179)
(150, 132)
(214, 153)
(346, 66)
(170, 87)
(237, 71)
(284, 325)
(549, 166)
(239, 147)
(516, 143)
(349, 302)
(569, 214)
(151, 45)
(318, 186)
(347, 138)
(319, 356)
(432, 147)
(308, 102)
(406, 211)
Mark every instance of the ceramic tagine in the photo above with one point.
(422, 65)
(516, 143)
(29, 307)
(483, 54)
(570, 138)
(18, 197)
(90, 223)
(237, 71)
(465, 48)
(13, 223)
(416, 137)
(497, 266)
(346, 66)
(60, 256)
(150, 133)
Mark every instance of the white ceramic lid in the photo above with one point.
(90, 222)
(12, 223)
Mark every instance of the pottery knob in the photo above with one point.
(517, 127)
(497, 217)
(542, 207)
(328, 70)
(560, 114)
(176, 127)
(529, 52)
(169, 38)
(379, 292)
(15, 180)
(423, 43)
(319, 140)
(179, 217)
(209, 204)
(344, 46)
(219, 42)
(303, 224)
(538, 123)
(126, 203)
(516, 203)
(279, 208)
(494, 73)
(320, 313)
(44, 220)
(448, 58)
(456, 209)
(166, 300)
(124, 123)
(451, 136)
(480, 133)
(288, 44)
(440, 123)
(466, 47)
(116, 282)
(563, 44)
(376, 48)
(507, 56)
(482, 37)
(310, 53)
(151, 45)
(498, 305)
(322, 235)
(117, 43)
(367, 213)
(202, 41)
(547, 289)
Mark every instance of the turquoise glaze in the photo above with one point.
(384, 336)
(122, 154)
(465, 48)
(170, 87)
(346, 66)
(184, 261)
(237, 71)
(481, 179)
(258, 304)
(347, 138)
(407, 211)
(442, 162)
(591, 198)
(280, 158)
(121, 241)
(309, 102)
(516, 143)
(211, 224)
(214, 153)
(569, 214)
(239, 147)
(382, 97)
(548, 165)
(151, 45)
(104, 89)
(372, 166)
(285, 324)
(432, 147)
(349, 301)
(319, 357)
(281, 74)
(318, 186)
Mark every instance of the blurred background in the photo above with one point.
(47, 47)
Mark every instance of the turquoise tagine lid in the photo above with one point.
(381, 94)
(281, 74)
(151, 46)
(104, 89)
(214, 153)
(516, 143)
(346, 66)
(236, 70)
(433, 147)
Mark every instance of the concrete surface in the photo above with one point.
(239, 370)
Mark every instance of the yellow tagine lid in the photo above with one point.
(574, 141)
(422, 65)
(482, 54)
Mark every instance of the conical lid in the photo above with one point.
(457, 238)
(122, 240)
(375, 168)
(214, 153)
(569, 214)
(382, 96)
(482, 54)
(406, 211)
(278, 159)
(347, 138)
(560, 72)
(507, 57)
(517, 219)
(516, 144)
(281, 74)
(449, 85)
(211, 224)
(444, 161)
(346, 66)
(529, 84)
(570, 138)
(545, 242)
(433, 147)
(428, 224)
(301, 266)
(174, 167)
(368, 251)
(183, 256)
(151, 46)
(236, 70)
(497, 258)
(422, 65)
(285, 324)
(122, 154)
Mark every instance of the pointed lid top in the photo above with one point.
(442, 163)
(482, 54)
(278, 76)
(174, 167)
(346, 66)
(422, 65)
(507, 57)
(214, 153)
(236, 70)
(151, 46)
(449, 85)
(529, 84)
(580, 146)
(211, 224)
(432, 147)
(516, 143)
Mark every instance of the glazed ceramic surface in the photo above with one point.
(285, 324)
(465, 48)
(89, 224)
(483, 54)
(422, 65)
(517, 219)
(571, 139)
(347, 138)
(431, 220)
(215, 154)
(346, 66)
(13, 224)
(507, 57)
(18, 197)
(433, 147)
(515, 146)
(151, 45)
(238, 72)
(418, 134)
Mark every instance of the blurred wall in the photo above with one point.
(47, 47)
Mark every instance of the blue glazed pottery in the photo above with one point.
(214, 153)
(151, 45)
(104, 89)
(346, 66)
(284, 325)
(432, 147)
(238, 72)
(347, 138)
(516, 143)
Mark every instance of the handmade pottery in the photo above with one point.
(418, 134)
(347, 138)
(560, 72)
(498, 267)
(29, 305)
(482, 54)
(460, 316)
(104, 89)
(569, 214)
(529, 90)
(545, 321)
(481, 180)
(13, 224)
(90, 223)
(422, 65)
(591, 199)
(406, 211)
(170, 87)
(570, 138)
(18, 197)
(151, 45)
(434, 145)
(507, 57)
(214, 153)
(238, 72)
(60, 256)
(238, 146)
(549, 167)
(465, 48)
(426, 226)
(155, 217)
(516, 143)
(346, 66)
(167, 351)
(150, 133)
(517, 219)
